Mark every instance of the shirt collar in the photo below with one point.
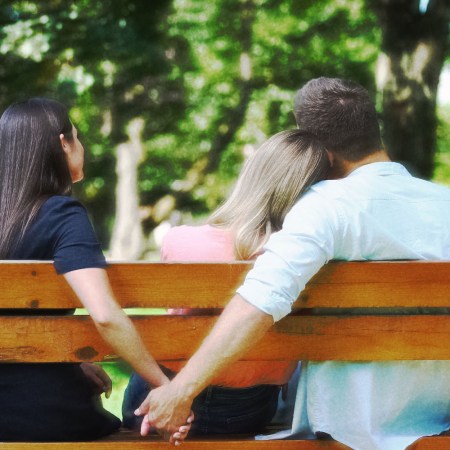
(381, 168)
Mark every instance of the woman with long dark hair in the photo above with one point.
(40, 158)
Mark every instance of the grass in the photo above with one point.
(119, 372)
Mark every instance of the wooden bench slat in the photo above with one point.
(376, 295)
(431, 443)
(70, 339)
(338, 284)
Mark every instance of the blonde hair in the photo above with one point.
(269, 184)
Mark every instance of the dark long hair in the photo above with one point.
(33, 165)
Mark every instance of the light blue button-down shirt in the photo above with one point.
(378, 212)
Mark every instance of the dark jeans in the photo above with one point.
(218, 410)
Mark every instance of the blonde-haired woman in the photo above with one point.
(244, 399)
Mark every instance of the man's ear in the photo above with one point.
(64, 144)
(330, 157)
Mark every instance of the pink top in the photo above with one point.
(207, 243)
(202, 243)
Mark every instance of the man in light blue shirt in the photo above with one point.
(371, 209)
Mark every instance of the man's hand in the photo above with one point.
(98, 378)
(168, 412)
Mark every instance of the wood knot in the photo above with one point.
(86, 353)
(304, 297)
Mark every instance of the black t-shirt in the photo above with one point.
(62, 232)
(54, 402)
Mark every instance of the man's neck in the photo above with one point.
(342, 167)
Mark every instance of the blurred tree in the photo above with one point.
(110, 59)
(180, 91)
(208, 79)
(442, 160)
(414, 47)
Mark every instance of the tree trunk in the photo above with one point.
(414, 44)
(127, 240)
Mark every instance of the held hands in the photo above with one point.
(98, 378)
(176, 438)
(170, 414)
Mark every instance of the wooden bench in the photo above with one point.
(339, 285)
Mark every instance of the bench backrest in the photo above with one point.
(327, 332)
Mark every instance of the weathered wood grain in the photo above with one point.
(338, 284)
(34, 339)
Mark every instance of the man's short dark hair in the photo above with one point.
(341, 114)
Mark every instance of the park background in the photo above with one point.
(171, 96)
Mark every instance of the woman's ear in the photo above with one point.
(64, 144)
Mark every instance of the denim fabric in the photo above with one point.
(218, 410)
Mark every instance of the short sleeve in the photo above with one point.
(75, 245)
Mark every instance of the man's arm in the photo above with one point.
(239, 327)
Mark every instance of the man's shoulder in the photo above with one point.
(432, 186)
(325, 192)
(322, 204)
(375, 185)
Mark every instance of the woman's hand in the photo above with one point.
(99, 379)
(176, 438)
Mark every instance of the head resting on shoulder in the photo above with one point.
(33, 165)
(342, 116)
(269, 184)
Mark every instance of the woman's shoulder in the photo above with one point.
(63, 215)
(60, 207)
(73, 239)
(61, 201)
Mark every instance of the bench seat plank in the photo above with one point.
(155, 443)
(189, 445)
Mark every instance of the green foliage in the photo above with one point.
(106, 59)
(212, 80)
(442, 169)
(119, 372)
(285, 43)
